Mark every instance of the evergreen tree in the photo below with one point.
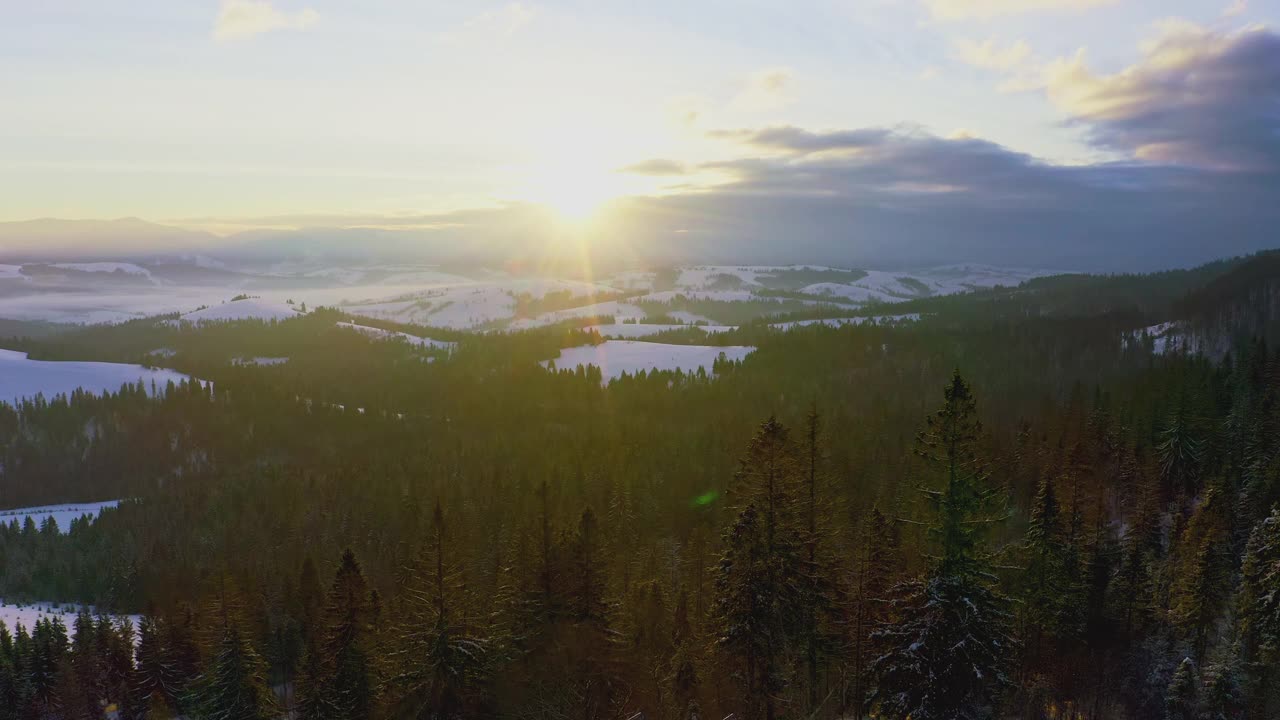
(586, 597)
(234, 686)
(151, 672)
(347, 684)
(1180, 701)
(1222, 692)
(1259, 615)
(945, 656)
(438, 663)
(1045, 591)
(876, 570)
(817, 578)
(759, 603)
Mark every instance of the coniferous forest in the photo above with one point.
(1017, 507)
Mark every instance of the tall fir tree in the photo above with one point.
(760, 600)
(946, 655)
(234, 686)
(439, 664)
(1258, 617)
(347, 680)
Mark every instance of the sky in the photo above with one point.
(1078, 133)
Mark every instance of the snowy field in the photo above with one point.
(61, 514)
(615, 357)
(13, 614)
(21, 377)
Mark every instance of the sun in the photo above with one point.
(574, 190)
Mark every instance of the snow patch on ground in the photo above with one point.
(615, 357)
(689, 318)
(1166, 337)
(837, 322)
(667, 296)
(21, 377)
(380, 334)
(635, 330)
(265, 361)
(26, 615)
(703, 276)
(61, 514)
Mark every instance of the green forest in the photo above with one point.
(1017, 507)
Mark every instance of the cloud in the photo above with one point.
(962, 9)
(1198, 97)
(656, 166)
(911, 198)
(791, 139)
(1236, 8)
(502, 22)
(767, 89)
(1016, 62)
(990, 56)
(907, 199)
(243, 18)
(885, 197)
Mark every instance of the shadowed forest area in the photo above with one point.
(1014, 508)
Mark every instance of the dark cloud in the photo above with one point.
(1198, 98)
(915, 199)
(656, 166)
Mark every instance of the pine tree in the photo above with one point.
(1222, 692)
(877, 568)
(150, 673)
(1197, 607)
(1046, 582)
(1180, 701)
(438, 662)
(234, 687)
(1258, 615)
(1181, 446)
(182, 657)
(684, 679)
(1200, 571)
(347, 684)
(817, 580)
(759, 602)
(751, 627)
(945, 657)
(586, 598)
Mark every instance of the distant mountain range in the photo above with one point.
(52, 238)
